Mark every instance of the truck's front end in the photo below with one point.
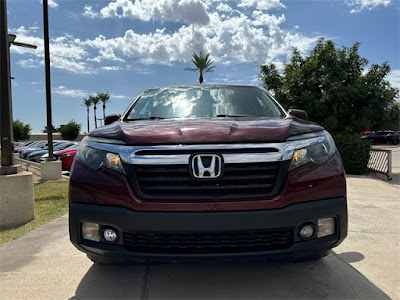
(207, 172)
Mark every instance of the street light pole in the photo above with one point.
(48, 84)
(6, 128)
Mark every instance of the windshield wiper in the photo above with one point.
(232, 116)
(149, 118)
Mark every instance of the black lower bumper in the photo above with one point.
(287, 219)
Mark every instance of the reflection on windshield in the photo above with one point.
(204, 102)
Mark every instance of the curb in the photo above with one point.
(373, 176)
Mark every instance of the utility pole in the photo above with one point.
(6, 117)
(6, 125)
(16, 197)
(48, 83)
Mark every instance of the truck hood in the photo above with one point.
(205, 131)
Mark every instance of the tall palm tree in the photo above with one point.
(203, 65)
(95, 99)
(104, 97)
(87, 102)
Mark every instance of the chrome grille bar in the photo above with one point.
(284, 151)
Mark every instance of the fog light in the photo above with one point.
(110, 235)
(326, 227)
(306, 232)
(90, 231)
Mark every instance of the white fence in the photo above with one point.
(380, 161)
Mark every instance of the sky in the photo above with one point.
(126, 46)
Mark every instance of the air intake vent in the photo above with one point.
(203, 243)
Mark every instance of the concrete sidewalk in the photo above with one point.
(44, 265)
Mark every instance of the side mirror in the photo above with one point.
(298, 113)
(111, 119)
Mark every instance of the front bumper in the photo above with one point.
(288, 218)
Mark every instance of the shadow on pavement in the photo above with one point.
(351, 257)
(330, 277)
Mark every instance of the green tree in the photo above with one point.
(332, 86)
(70, 131)
(87, 102)
(21, 130)
(95, 100)
(203, 65)
(104, 97)
(53, 129)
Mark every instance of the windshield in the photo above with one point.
(204, 102)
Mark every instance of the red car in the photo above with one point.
(207, 172)
(67, 158)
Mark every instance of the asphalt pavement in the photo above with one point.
(45, 265)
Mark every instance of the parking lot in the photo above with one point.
(44, 265)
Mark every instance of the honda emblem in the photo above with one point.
(206, 166)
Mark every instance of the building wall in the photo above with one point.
(56, 136)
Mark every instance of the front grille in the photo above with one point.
(206, 242)
(175, 183)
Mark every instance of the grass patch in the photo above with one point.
(51, 202)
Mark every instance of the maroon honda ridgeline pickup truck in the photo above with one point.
(198, 172)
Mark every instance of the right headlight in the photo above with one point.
(96, 158)
(316, 153)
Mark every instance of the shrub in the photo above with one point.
(70, 131)
(354, 152)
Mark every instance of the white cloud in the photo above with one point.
(66, 52)
(224, 7)
(51, 3)
(64, 91)
(78, 93)
(359, 5)
(115, 96)
(257, 37)
(138, 70)
(261, 4)
(29, 63)
(186, 11)
(394, 78)
(238, 39)
(111, 68)
(88, 12)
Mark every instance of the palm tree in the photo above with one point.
(203, 65)
(95, 100)
(104, 97)
(87, 102)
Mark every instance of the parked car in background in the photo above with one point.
(66, 156)
(18, 144)
(26, 145)
(58, 146)
(23, 153)
(206, 172)
(42, 147)
(384, 137)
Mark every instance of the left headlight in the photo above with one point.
(96, 158)
(316, 153)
